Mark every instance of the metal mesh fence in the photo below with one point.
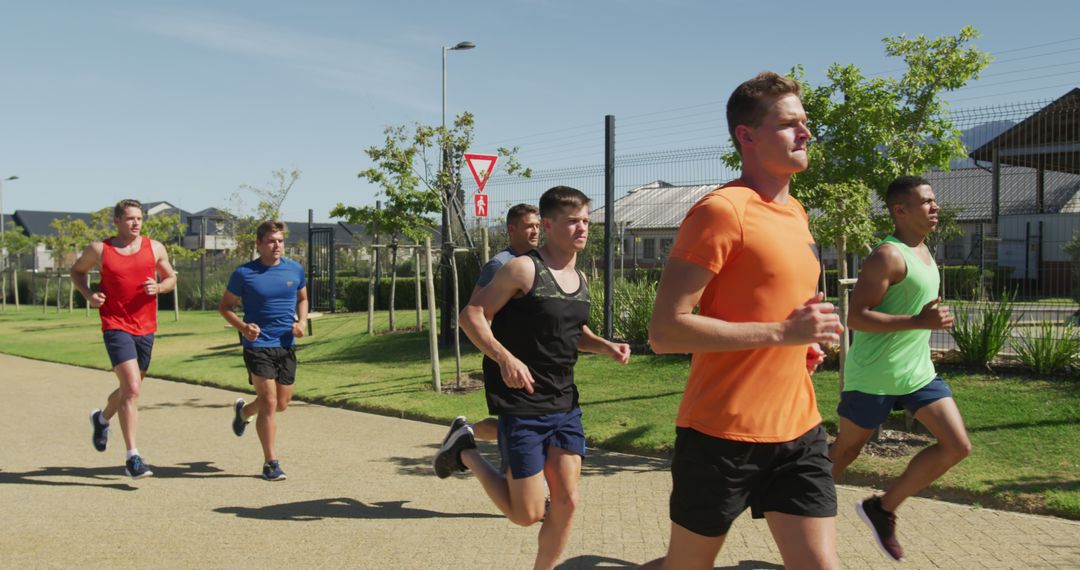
(1016, 200)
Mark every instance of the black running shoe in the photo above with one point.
(272, 471)
(136, 469)
(239, 423)
(101, 430)
(448, 459)
(883, 524)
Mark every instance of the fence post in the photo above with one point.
(71, 295)
(433, 332)
(59, 290)
(609, 225)
(45, 297)
(371, 303)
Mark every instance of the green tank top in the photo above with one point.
(896, 363)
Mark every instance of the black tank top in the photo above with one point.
(542, 329)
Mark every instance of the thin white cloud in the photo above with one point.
(350, 66)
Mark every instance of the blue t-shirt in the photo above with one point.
(269, 296)
(493, 265)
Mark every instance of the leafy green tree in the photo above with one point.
(407, 174)
(167, 229)
(245, 219)
(14, 242)
(869, 130)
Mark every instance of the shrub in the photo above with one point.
(980, 337)
(1049, 348)
(631, 312)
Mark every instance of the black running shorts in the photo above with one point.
(715, 480)
(276, 363)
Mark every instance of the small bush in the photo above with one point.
(980, 337)
(631, 312)
(1049, 348)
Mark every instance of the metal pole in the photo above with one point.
(202, 265)
(314, 297)
(416, 278)
(609, 224)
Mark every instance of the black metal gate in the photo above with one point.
(322, 269)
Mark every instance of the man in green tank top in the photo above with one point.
(894, 307)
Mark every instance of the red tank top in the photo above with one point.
(127, 307)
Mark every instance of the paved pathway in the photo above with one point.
(361, 494)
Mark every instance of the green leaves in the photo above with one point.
(406, 170)
(868, 131)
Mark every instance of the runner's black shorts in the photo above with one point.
(715, 480)
(276, 363)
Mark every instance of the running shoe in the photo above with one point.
(239, 423)
(459, 438)
(272, 471)
(883, 524)
(136, 469)
(101, 430)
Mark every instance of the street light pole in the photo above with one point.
(447, 199)
(2, 200)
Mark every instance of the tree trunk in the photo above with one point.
(433, 330)
(455, 311)
(15, 280)
(842, 300)
(419, 298)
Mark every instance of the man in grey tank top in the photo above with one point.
(894, 307)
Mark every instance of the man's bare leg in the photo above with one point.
(942, 418)
(562, 471)
(688, 550)
(521, 500)
(805, 543)
(124, 401)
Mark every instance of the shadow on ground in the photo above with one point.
(591, 562)
(106, 477)
(597, 463)
(343, 508)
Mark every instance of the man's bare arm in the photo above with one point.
(882, 269)
(674, 328)
(80, 274)
(515, 277)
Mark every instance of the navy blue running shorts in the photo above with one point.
(123, 346)
(869, 411)
(524, 440)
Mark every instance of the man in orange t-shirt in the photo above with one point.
(748, 429)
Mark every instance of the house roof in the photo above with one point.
(1047, 138)
(37, 222)
(655, 205)
(971, 189)
(344, 234)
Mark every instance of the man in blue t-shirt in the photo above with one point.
(273, 292)
(523, 229)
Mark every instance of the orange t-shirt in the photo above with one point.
(766, 266)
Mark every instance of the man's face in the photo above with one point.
(920, 209)
(130, 223)
(569, 228)
(271, 246)
(524, 233)
(780, 140)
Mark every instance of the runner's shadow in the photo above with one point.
(591, 562)
(343, 508)
(421, 466)
(197, 469)
(102, 474)
(189, 403)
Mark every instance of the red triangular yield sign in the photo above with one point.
(481, 166)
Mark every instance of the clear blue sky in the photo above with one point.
(186, 101)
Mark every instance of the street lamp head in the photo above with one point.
(464, 45)
(11, 178)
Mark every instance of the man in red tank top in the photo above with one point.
(127, 301)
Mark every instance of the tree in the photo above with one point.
(14, 241)
(868, 131)
(245, 220)
(406, 173)
(167, 229)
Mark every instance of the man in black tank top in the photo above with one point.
(538, 305)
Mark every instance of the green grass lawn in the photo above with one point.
(1025, 431)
